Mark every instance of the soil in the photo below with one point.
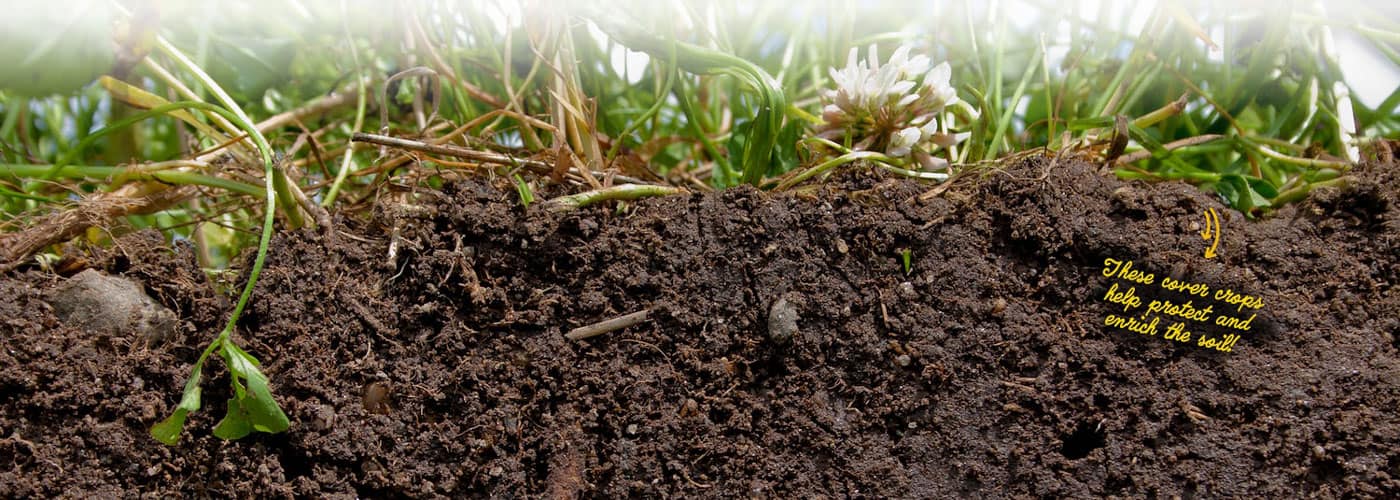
(421, 352)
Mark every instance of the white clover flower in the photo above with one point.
(903, 141)
(892, 107)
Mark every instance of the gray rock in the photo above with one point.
(113, 305)
(782, 321)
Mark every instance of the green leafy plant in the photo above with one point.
(906, 256)
(527, 196)
(758, 136)
(252, 407)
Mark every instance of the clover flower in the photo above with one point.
(893, 107)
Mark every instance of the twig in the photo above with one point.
(493, 158)
(319, 106)
(619, 192)
(453, 151)
(606, 326)
(1178, 144)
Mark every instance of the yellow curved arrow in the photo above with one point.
(1212, 230)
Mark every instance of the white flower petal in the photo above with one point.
(929, 162)
(900, 88)
(916, 66)
(939, 75)
(900, 56)
(903, 141)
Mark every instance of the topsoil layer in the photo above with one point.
(422, 353)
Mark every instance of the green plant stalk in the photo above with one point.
(826, 166)
(9, 193)
(1005, 122)
(166, 77)
(502, 59)
(72, 153)
(622, 192)
(521, 188)
(106, 172)
(650, 112)
(1139, 87)
(13, 107)
(997, 59)
(1293, 160)
(692, 120)
(347, 161)
(1049, 96)
(1156, 116)
(168, 430)
(281, 184)
(1301, 191)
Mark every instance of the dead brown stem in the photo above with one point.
(606, 326)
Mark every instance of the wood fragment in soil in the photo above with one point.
(609, 325)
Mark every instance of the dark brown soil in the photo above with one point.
(985, 371)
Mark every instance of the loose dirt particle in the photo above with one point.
(376, 397)
(782, 321)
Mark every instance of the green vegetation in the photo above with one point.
(201, 107)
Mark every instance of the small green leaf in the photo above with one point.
(739, 137)
(252, 407)
(786, 147)
(262, 409)
(526, 195)
(1262, 188)
(168, 430)
(1228, 191)
(235, 424)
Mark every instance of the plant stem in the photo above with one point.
(134, 174)
(620, 192)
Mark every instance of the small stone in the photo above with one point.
(324, 418)
(376, 397)
(114, 305)
(913, 425)
(631, 429)
(906, 291)
(998, 305)
(903, 360)
(841, 246)
(1319, 452)
(782, 321)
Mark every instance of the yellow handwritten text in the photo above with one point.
(1229, 296)
(1124, 270)
(1132, 324)
(1128, 299)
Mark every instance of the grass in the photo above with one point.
(332, 105)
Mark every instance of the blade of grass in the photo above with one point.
(1004, 123)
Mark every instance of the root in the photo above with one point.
(16, 248)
